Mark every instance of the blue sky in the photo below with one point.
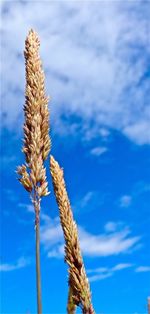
(96, 60)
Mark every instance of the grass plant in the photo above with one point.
(32, 175)
(36, 140)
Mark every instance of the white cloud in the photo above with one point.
(105, 244)
(141, 269)
(96, 60)
(97, 151)
(51, 234)
(105, 272)
(125, 201)
(111, 226)
(116, 239)
(86, 199)
(138, 189)
(98, 270)
(29, 207)
(104, 133)
(21, 263)
(135, 132)
(100, 276)
(91, 133)
(121, 266)
(57, 252)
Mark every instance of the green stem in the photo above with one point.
(38, 272)
(36, 202)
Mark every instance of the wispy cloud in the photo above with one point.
(88, 201)
(97, 151)
(83, 203)
(21, 263)
(111, 226)
(105, 244)
(28, 207)
(100, 276)
(121, 266)
(139, 188)
(105, 272)
(142, 269)
(51, 233)
(91, 133)
(96, 69)
(125, 201)
(101, 273)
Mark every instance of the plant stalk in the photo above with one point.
(38, 270)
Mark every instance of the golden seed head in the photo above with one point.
(77, 276)
(36, 126)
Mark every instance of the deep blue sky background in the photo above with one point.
(96, 60)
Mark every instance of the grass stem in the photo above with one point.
(38, 270)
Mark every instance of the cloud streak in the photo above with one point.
(101, 273)
(21, 263)
(105, 272)
(98, 151)
(142, 269)
(125, 201)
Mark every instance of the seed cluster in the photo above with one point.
(78, 281)
(36, 127)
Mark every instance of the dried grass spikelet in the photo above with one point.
(78, 281)
(36, 127)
